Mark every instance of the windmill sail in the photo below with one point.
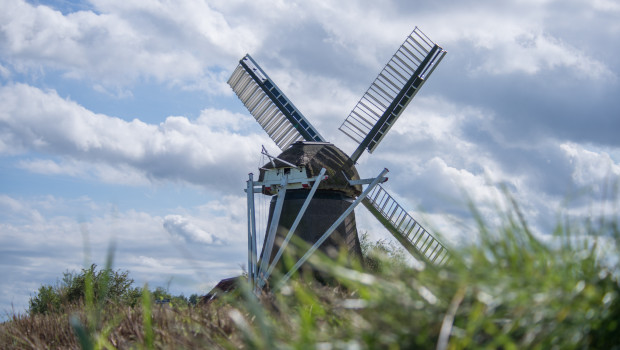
(391, 92)
(417, 240)
(272, 109)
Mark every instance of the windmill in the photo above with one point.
(314, 185)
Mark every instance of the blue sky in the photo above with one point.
(117, 125)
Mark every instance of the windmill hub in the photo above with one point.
(333, 196)
(311, 157)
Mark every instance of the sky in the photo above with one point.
(118, 130)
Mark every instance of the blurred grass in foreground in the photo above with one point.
(509, 290)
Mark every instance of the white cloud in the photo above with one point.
(11, 207)
(181, 227)
(443, 154)
(590, 167)
(323, 55)
(532, 53)
(5, 73)
(519, 37)
(118, 151)
(454, 181)
(120, 42)
(605, 5)
(123, 41)
(119, 174)
(43, 238)
(118, 92)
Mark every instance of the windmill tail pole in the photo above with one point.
(331, 229)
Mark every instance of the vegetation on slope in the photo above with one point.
(110, 286)
(509, 290)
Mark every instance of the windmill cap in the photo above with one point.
(316, 155)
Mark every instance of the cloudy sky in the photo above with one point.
(117, 126)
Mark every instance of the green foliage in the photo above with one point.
(147, 318)
(193, 299)
(511, 290)
(46, 299)
(381, 254)
(105, 285)
(161, 295)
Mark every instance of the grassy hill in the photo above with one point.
(509, 290)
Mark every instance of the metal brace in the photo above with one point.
(362, 181)
(331, 229)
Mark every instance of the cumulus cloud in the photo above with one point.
(12, 208)
(524, 98)
(133, 152)
(118, 42)
(181, 227)
(42, 238)
(606, 5)
(590, 167)
(532, 53)
(443, 154)
(118, 174)
(5, 73)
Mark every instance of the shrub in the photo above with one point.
(378, 254)
(46, 300)
(115, 285)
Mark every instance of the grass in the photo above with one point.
(510, 290)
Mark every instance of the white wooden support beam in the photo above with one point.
(258, 185)
(362, 181)
(331, 229)
(251, 231)
(275, 219)
(291, 231)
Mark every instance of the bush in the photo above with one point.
(108, 285)
(378, 254)
(46, 300)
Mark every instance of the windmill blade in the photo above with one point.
(391, 92)
(415, 238)
(269, 106)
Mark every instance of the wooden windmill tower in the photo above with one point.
(314, 184)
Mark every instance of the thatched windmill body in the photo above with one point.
(314, 184)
